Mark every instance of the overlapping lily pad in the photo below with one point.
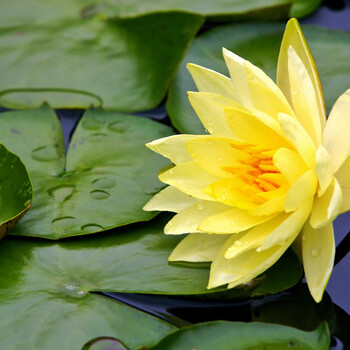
(17, 13)
(15, 190)
(106, 178)
(75, 62)
(259, 44)
(243, 336)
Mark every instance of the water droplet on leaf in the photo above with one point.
(99, 194)
(45, 153)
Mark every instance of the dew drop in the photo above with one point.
(61, 192)
(210, 122)
(119, 126)
(303, 238)
(90, 124)
(26, 203)
(210, 143)
(315, 252)
(97, 137)
(104, 182)
(99, 194)
(64, 221)
(238, 243)
(45, 153)
(200, 206)
(219, 159)
(294, 92)
(89, 228)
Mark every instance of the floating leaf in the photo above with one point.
(15, 190)
(45, 299)
(259, 44)
(17, 13)
(105, 180)
(243, 336)
(52, 54)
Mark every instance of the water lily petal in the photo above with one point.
(271, 206)
(318, 250)
(215, 153)
(301, 191)
(294, 37)
(188, 220)
(189, 178)
(289, 227)
(232, 191)
(343, 176)
(296, 134)
(255, 237)
(210, 110)
(173, 147)
(198, 247)
(208, 80)
(327, 207)
(170, 199)
(256, 89)
(231, 221)
(244, 267)
(254, 130)
(336, 133)
(324, 169)
(290, 164)
(303, 96)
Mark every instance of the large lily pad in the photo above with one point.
(15, 190)
(74, 62)
(17, 13)
(106, 178)
(244, 336)
(46, 301)
(259, 44)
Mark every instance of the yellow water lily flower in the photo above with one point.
(270, 172)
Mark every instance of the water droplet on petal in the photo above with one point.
(303, 238)
(99, 194)
(295, 92)
(210, 122)
(238, 243)
(315, 252)
(45, 153)
(219, 159)
(200, 206)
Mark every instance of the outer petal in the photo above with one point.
(254, 130)
(294, 37)
(255, 88)
(298, 137)
(324, 169)
(336, 134)
(208, 80)
(210, 110)
(197, 247)
(290, 227)
(231, 221)
(173, 147)
(244, 267)
(189, 178)
(188, 220)
(327, 207)
(301, 191)
(303, 96)
(170, 199)
(290, 164)
(318, 251)
(343, 176)
(215, 153)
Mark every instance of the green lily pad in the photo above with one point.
(103, 182)
(15, 190)
(74, 62)
(259, 44)
(16, 13)
(45, 300)
(244, 336)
